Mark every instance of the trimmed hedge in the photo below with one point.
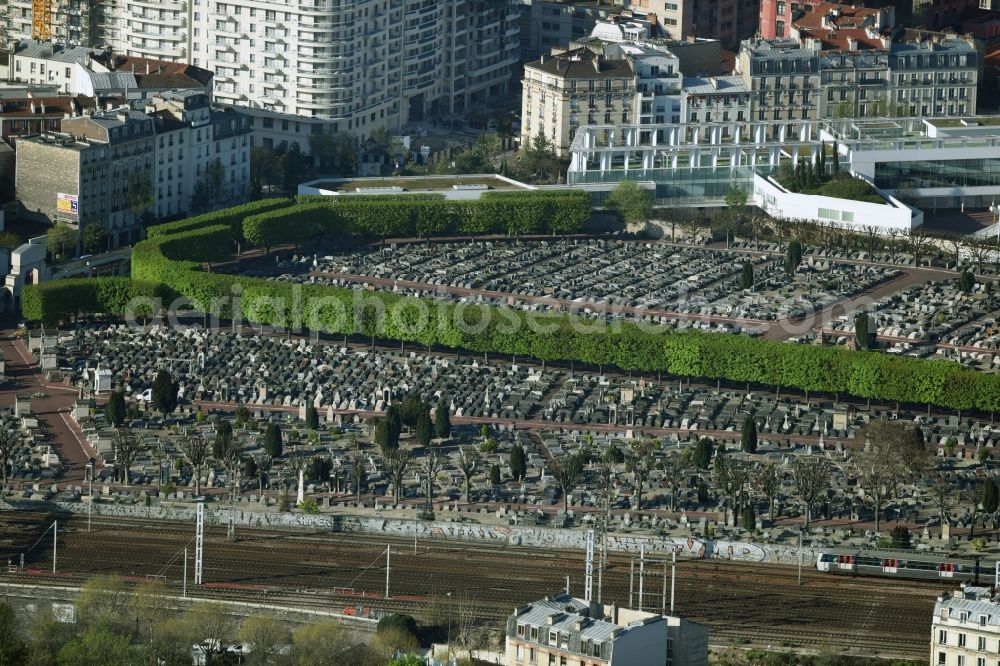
(171, 262)
(406, 216)
(59, 300)
(232, 217)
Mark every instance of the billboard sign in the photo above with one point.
(68, 204)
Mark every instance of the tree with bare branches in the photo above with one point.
(878, 479)
(767, 480)
(430, 466)
(812, 481)
(396, 463)
(944, 495)
(675, 467)
(468, 462)
(196, 449)
(127, 447)
(567, 473)
(639, 463)
(359, 475)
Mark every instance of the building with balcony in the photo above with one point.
(563, 92)
(83, 174)
(965, 628)
(192, 140)
(549, 24)
(334, 65)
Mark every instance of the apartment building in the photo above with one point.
(965, 629)
(549, 24)
(565, 630)
(726, 20)
(579, 87)
(916, 74)
(73, 22)
(98, 73)
(779, 17)
(82, 175)
(31, 114)
(191, 137)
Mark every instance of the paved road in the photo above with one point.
(24, 377)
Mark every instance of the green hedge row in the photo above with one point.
(172, 263)
(60, 300)
(406, 216)
(232, 217)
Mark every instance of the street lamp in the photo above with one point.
(449, 625)
(90, 485)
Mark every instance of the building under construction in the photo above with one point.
(70, 22)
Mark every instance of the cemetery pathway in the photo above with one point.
(25, 377)
(787, 328)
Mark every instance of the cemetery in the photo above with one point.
(638, 437)
(597, 275)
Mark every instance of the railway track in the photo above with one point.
(740, 602)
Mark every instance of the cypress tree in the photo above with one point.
(748, 438)
(442, 420)
(272, 440)
(746, 275)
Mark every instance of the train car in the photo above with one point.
(905, 564)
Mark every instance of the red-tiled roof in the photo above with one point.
(54, 106)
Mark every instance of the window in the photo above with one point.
(781, 9)
(981, 643)
(961, 640)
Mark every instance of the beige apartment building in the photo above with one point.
(578, 87)
(82, 175)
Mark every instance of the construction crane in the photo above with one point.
(41, 20)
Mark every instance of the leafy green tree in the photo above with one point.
(736, 202)
(321, 644)
(567, 473)
(517, 461)
(97, 645)
(10, 241)
(209, 627)
(442, 420)
(966, 282)
(899, 537)
(861, 330)
(337, 153)
(164, 393)
(116, 410)
(386, 437)
(537, 162)
(423, 429)
(793, 256)
(59, 237)
(312, 418)
(266, 635)
(413, 405)
(748, 437)
(13, 649)
(746, 275)
(480, 157)
(991, 497)
(633, 203)
(209, 187)
(139, 196)
(94, 239)
(407, 660)
(272, 440)
(222, 445)
(702, 453)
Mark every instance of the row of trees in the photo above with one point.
(119, 625)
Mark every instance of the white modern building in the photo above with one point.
(940, 162)
(965, 628)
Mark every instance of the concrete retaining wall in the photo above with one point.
(532, 537)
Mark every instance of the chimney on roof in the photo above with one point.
(32, 107)
(542, 59)
(852, 44)
(147, 67)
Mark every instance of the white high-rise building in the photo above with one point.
(341, 65)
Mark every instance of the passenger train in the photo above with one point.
(905, 564)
